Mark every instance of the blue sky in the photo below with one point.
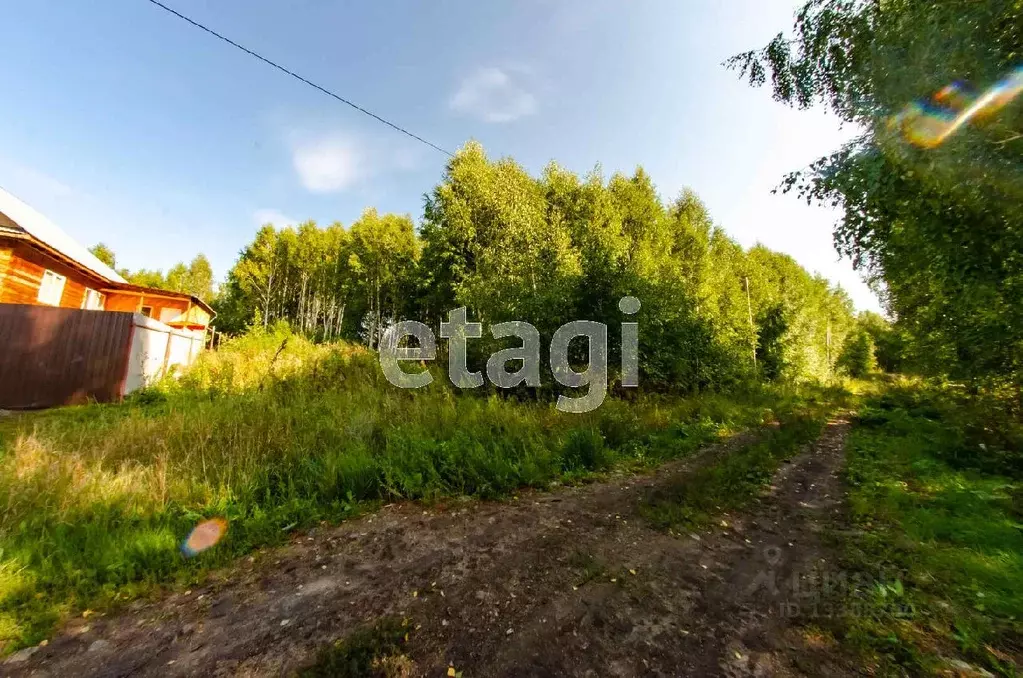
(125, 125)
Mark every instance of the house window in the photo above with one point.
(51, 289)
(93, 300)
(147, 311)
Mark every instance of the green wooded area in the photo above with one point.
(937, 229)
(933, 227)
(195, 278)
(548, 250)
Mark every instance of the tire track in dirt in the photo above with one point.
(728, 602)
(570, 582)
(772, 569)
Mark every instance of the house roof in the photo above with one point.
(14, 214)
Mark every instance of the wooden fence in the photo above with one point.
(62, 356)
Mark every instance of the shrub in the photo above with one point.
(584, 449)
(857, 358)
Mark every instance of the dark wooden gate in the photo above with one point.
(61, 356)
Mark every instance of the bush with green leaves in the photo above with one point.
(857, 359)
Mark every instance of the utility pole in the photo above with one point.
(753, 332)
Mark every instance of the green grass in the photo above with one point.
(374, 651)
(588, 567)
(96, 499)
(735, 480)
(937, 505)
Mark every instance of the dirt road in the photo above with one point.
(571, 582)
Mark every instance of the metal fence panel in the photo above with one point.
(61, 356)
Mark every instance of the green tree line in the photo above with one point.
(549, 249)
(936, 226)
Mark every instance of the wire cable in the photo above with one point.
(300, 78)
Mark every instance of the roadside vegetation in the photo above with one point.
(275, 434)
(693, 501)
(291, 423)
(549, 249)
(929, 193)
(936, 512)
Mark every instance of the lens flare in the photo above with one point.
(203, 536)
(956, 96)
(925, 125)
(929, 123)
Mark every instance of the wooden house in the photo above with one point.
(41, 265)
(72, 329)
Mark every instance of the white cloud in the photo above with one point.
(272, 216)
(45, 182)
(34, 185)
(494, 95)
(328, 164)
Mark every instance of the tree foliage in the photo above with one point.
(857, 359)
(891, 345)
(195, 278)
(549, 249)
(104, 254)
(301, 275)
(937, 230)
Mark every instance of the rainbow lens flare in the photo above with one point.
(203, 536)
(929, 123)
(956, 96)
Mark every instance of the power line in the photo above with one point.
(299, 77)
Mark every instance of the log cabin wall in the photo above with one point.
(24, 274)
(5, 260)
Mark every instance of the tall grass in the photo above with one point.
(937, 500)
(272, 433)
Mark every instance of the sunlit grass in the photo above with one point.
(947, 520)
(732, 483)
(95, 500)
